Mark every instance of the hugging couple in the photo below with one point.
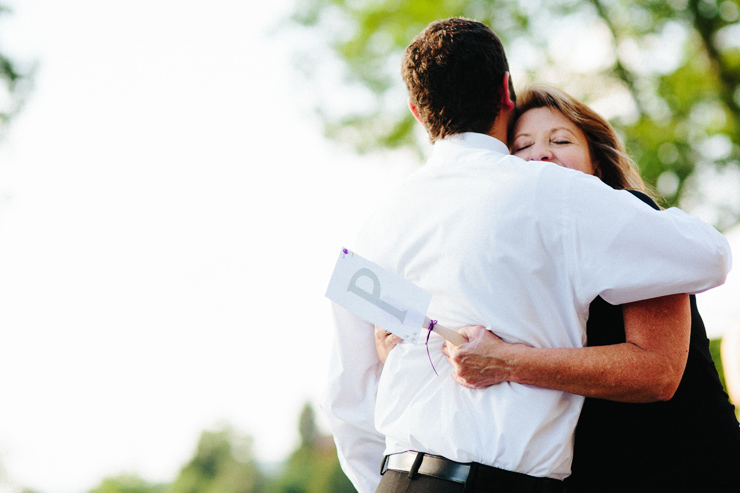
(587, 367)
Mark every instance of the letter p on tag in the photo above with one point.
(378, 296)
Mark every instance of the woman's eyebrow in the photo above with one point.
(566, 129)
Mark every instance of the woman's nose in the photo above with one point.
(542, 153)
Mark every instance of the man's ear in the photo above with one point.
(415, 112)
(506, 102)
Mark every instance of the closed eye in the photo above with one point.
(521, 148)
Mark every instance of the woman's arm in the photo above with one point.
(648, 367)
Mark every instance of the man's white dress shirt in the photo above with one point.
(521, 248)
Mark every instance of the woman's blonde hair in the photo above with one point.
(611, 162)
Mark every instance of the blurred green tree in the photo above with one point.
(714, 349)
(14, 88)
(15, 84)
(128, 483)
(223, 463)
(666, 73)
(313, 467)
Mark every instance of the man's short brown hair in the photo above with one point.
(454, 71)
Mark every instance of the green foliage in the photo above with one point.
(313, 467)
(128, 483)
(312, 471)
(714, 348)
(307, 428)
(223, 463)
(672, 66)
(15, 85)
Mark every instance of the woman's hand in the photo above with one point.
(384, 342)
(482, 362)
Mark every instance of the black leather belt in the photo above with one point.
(479, 476)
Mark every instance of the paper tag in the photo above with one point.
(379, 296)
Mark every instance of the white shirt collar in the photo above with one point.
(472, 140)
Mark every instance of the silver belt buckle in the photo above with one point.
(401, 462)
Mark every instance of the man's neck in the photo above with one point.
(500, 128)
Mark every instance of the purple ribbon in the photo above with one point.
(432, 323)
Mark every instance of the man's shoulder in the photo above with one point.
(485, 156)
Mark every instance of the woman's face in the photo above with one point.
(544, 134)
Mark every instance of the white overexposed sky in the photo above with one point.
(170, 217)
(171, 221)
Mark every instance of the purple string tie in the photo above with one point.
(432, 323)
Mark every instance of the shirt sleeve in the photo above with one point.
(624, 250)
(349, 404)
